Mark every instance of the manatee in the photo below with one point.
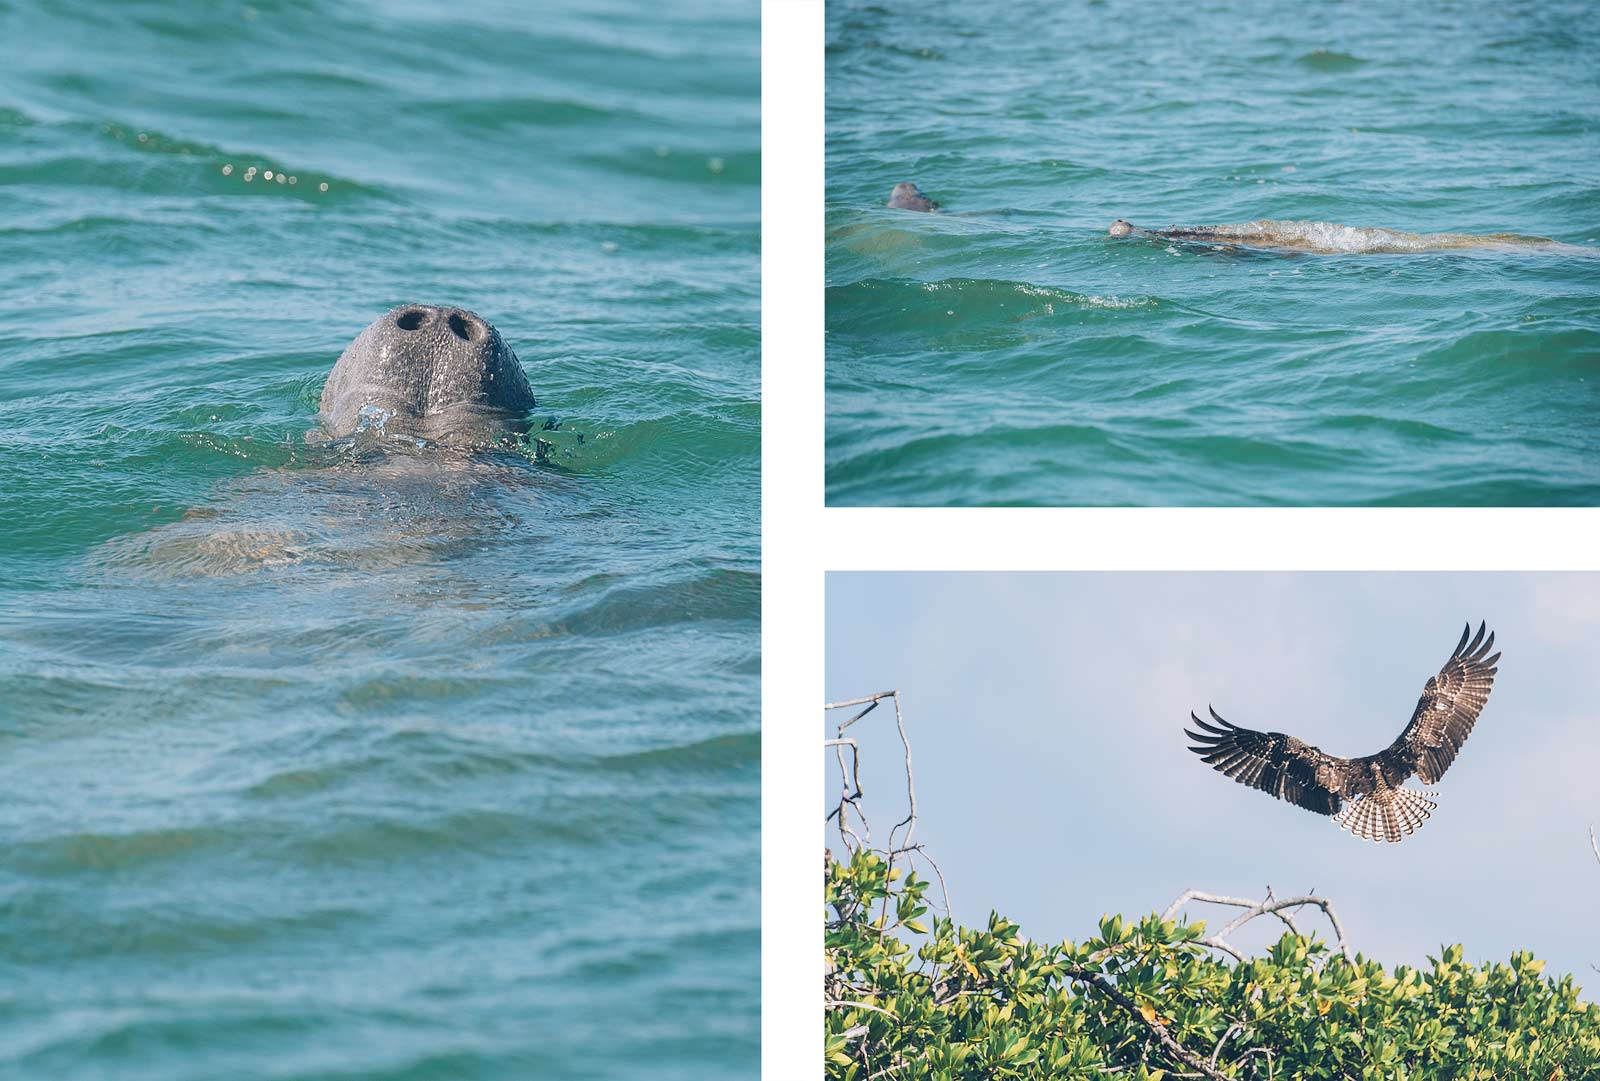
(425, 371)
(907, 196)
(420, 458)
(1327, 238)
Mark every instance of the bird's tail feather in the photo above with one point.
(1390, 815)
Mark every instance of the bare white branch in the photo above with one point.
(1279, 907)
(910, 820)
(841, 1003)
(850, 792)
(873, 698)
(1237, 1026)
(943, 887)
(849, 800)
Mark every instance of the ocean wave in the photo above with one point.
(176, 166)
(980, 297)
(1330, 61)
(736, 750)
(713, 595)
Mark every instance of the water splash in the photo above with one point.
(373, 418)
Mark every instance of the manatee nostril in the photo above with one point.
(460, 327)
(410, 320)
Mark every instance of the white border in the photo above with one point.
(1205, 538)
(791, 500)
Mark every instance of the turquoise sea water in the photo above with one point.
(316, 768)
(1008, 351)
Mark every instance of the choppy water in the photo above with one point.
(1009, 351)
(365, 771)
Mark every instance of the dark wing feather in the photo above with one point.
(1271, 761)
(1449, 706)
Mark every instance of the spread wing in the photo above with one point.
(1449, 706)
(1272, 762)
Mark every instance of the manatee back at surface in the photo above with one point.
(352, 507)
(1330, 238)
(438, 372)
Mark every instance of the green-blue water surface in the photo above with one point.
(1008, 351)
(313, 770)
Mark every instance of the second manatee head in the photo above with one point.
(438, 373)
(907, 196)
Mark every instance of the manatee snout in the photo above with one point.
(423, 369)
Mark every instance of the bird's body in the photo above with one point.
(1367, 795)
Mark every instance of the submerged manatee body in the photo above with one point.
(443, 374)
(1327, 238)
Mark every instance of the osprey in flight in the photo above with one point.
(1364, 795)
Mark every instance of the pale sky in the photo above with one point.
(1045, 712)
